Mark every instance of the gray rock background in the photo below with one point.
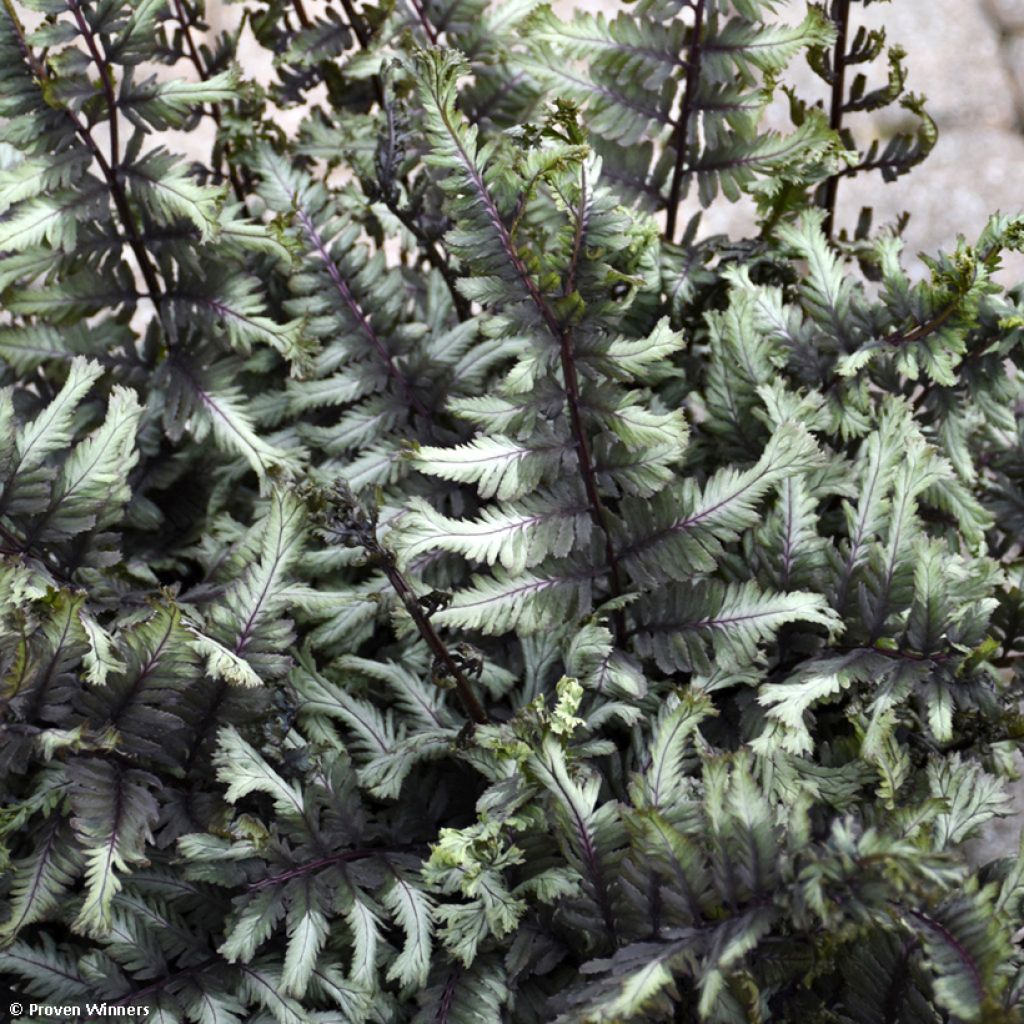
(967, 57)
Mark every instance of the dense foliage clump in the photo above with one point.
(440, 583)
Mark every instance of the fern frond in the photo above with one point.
(681, 532)
(411, 909)
(41, 881)
(114, 810)
(683, 627)
(528, 602)
(518, 537)
(499, 466)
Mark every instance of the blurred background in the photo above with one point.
(967, 57)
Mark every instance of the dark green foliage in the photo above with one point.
(434, 588)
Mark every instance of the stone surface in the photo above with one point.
(953, 58)
(971, 173)
(1009, 13)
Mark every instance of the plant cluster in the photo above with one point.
(436, 585)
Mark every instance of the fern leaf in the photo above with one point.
(244, 772)
(411, 909)
(236, 304)
(528, 602)
(733, 166)
(684, 626)
(499, 466)
(972, 797)
(619, 110)
(475, 995)
(662, 779)
(101, 659)
(142, 695)
(167, 104)
(878, 460)
(46, 969)
(625, 46)
(364, 926)
(574, 805)
(374, 733)
(307, 933)
(634, 987)
(828, 294)
(220, 410)
(681, 533)
(417, 699)
(593, 658)
(52, 219)
(788, 702)
(963, 952)
(252, 923)
(223, 663)
(250, 623)
(41, 881)
(33, 176)
(93, 482)
(261, 983)
(518, 537)
(114, 811)
(769, 48)
(52, 430)
(164, 189)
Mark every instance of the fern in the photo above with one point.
(438, 582)
(856, 45)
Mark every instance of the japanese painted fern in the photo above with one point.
(437, 588)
